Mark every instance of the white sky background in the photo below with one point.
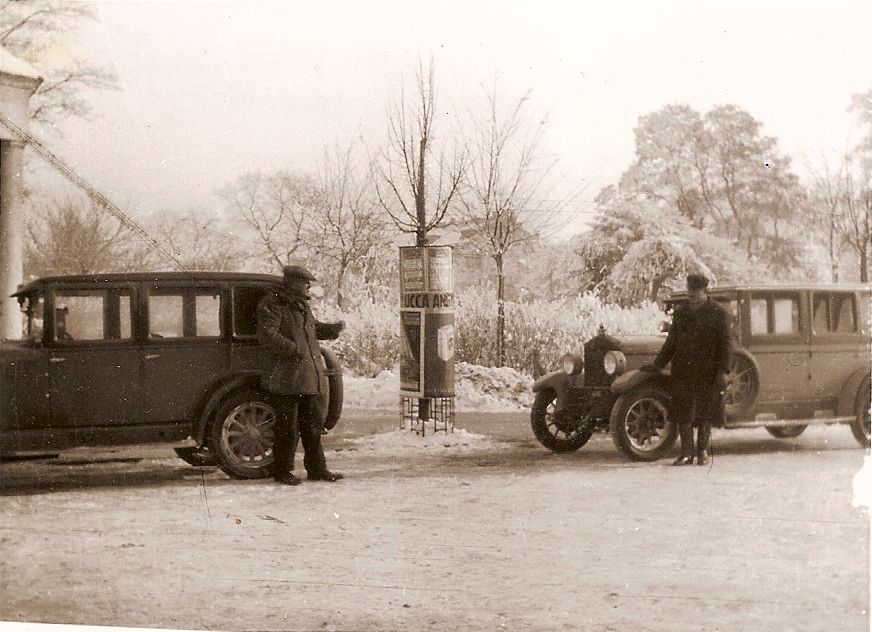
(215, 89)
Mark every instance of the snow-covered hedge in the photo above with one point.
(537, 333)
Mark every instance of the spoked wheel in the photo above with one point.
(242, 434)
(556, 432)
(640, 424)
(743, 385)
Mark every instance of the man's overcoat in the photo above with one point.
(698, 344)
(288, 329)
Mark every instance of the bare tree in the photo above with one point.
(505, 197)
(278, 208)
(826, 212)
(417, 196)
(31, 29)
(71, 238)
(858, 214)
(350, 224)
(199, 244)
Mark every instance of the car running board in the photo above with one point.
(771, 421)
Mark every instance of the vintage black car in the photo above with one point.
(122, 359)
(801, 357)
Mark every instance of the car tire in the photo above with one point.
(786, 432)
(197, 457)
(546, 429)
(242, 434)
(743, 385)
(640, 424)
(335, 392)
(861, 424)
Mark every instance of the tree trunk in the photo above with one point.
(501, 313)
(864, 265)
(420, 198)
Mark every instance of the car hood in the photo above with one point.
(632, 345)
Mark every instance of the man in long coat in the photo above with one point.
(298, 379)
(700, 348)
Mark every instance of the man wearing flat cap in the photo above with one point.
(298, 379)
(700, 349)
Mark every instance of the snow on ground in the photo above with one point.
(396, 442)
(477, 388)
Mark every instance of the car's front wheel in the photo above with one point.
(553, 429)
(640, 424)
(863, 417)
(242, 434)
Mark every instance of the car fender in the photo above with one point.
(848, 395)
(634, 378)
(230, 384)
(556, 380)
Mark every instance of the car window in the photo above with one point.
(775, 315)
(208, 314)
(245, 300)
(92, 315)
(33, 313)
(834, 312)
(184, 312)
(785, 316)
(166, 316)
(759, 316)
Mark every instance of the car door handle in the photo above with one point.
(56, 360)
(151, 356)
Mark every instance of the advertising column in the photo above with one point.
(427, 327)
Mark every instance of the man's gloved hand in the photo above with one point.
(649, 368)
(721, 382)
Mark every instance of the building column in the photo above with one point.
(11, 236)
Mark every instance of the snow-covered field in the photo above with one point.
(482, 389)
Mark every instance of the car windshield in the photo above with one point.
(32, 308)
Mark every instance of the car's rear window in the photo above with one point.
(92, 314)
(834, 313)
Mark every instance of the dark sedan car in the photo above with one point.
(121, 359)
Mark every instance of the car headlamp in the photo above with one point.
(614, 363)
(572, 364)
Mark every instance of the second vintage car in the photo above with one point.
(801, 357)
(125, 359)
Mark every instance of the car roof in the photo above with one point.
(195, 277)
(731, 290)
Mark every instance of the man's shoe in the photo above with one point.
(288, 479)
(326, 475)
(702, 458)
(683, 460)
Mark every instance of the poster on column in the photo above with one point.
(439, 354)
(410, 353)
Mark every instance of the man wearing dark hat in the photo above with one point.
(287, 327)
(700, 348)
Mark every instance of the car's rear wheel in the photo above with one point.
(863, 418)
(743, 385)
(242, 434)
(640, 424)
(786, 432)
(558, 434)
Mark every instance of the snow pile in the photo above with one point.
(483, 389)
(399, 441)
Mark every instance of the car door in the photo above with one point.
(778, 341)
(184, 351)
(839, 345)
(93, 361)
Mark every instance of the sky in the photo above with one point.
(212, 90)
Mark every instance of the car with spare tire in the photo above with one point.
(128, 359)
(801, 356)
